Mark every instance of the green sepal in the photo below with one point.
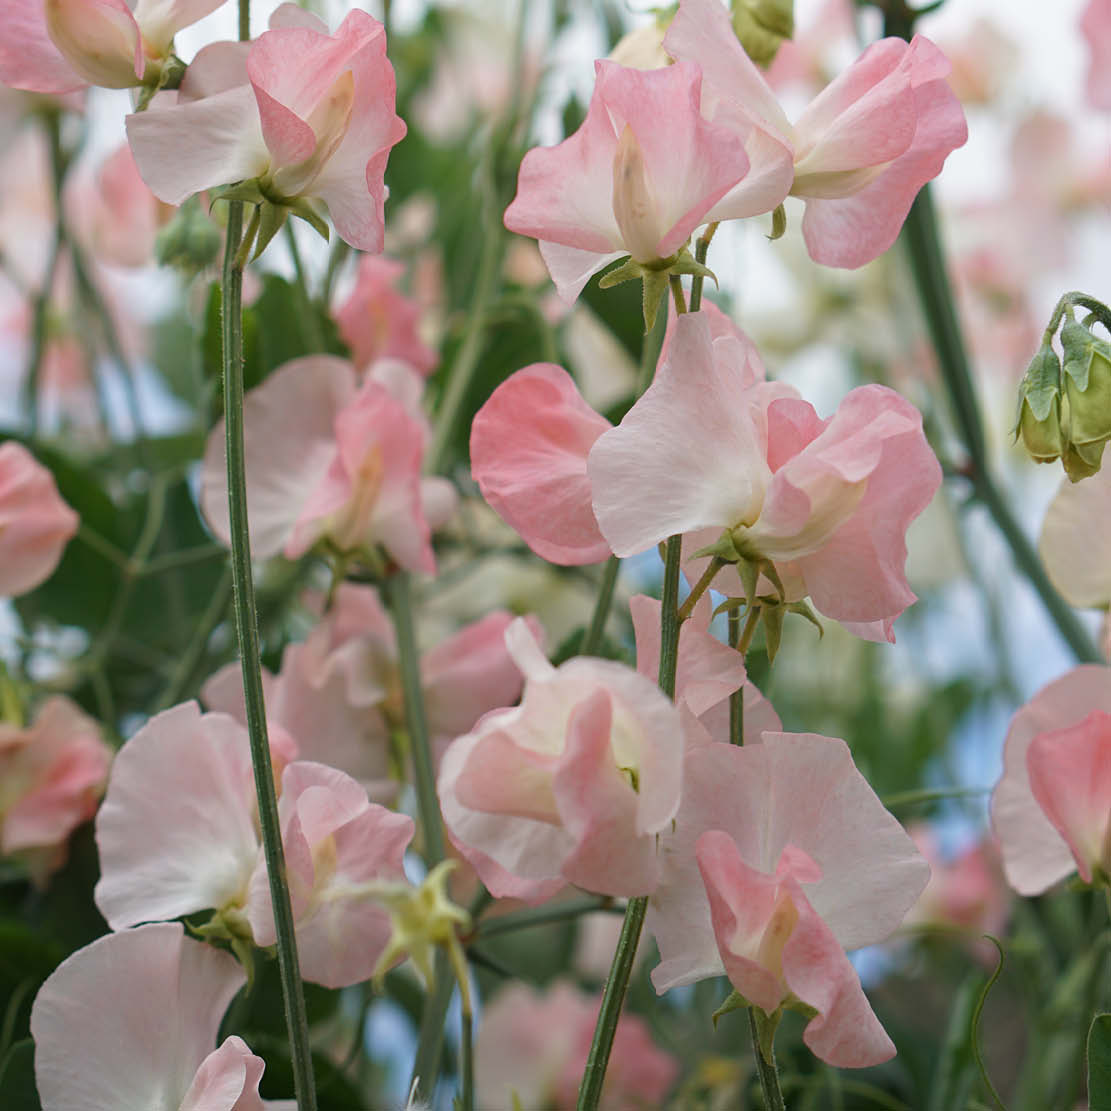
(723, 548)
(1039, 406)
(730, 605)
(766, 1025)
(779, 223)
(1079, 346)
(250, 192)
(655, 276)
(1082, 460)
(685, 263)
(772, 615)
(302, 208)
(626, 272)
(271, 219)
(168, 75)
(804, 609)
(653, 292)
(750, 573)
(733, 1002)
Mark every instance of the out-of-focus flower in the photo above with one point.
(1075, 542)
(572, 786)
(1095, 23)
(51, 776)
(311, 117)
(827, 502)
(532, 1047)
(35, 523)
(129, 1023)
(1051, 810)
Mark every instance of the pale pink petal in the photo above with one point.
(176, 830)
(1075, 543)
(217, 67)
(35, 523)
(28, 57)
(572, 267)
(99, 38)
(289, 431)
(127, 1021)
(227, 1080)
(1070, 776)
(160, 20)
(529, 447)
(293, 15)
(1095, 24)
(688, 455)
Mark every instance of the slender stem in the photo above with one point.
(737, 698)
(590, 1092)
(466, 1066)
(190, 657)
(593, 638)
(92, 539)
(244, 20)
(677, 295)
(430, 1044)
(310, 322)
(183, 557)
(542, 916)
(700, 587)
(336, 258)
(650, 353)
(701, 246)
(768, 1073)
(931, 794)
(396, 590)
(246, 627)
(749, 630)
(920, 235)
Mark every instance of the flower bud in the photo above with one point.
(99, 38)
(1087, 382)
(1039, 417)
(762, 26)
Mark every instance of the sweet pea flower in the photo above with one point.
(329, 459)
(376, 321)
(129, 1023)
(1075, 541)
(532, 1046)
(178, 834)
(636, 179)
(51, 776)
(35, 523)
(862, 148)
(572, 785)
(1095, 24)
(312, 117)
(797, 860)
(1051, 810)
(60, 46)
(827, 502)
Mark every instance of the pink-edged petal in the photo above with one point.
(289, 431)
(572, 267)
(1070, 776)
(851, 231)
(502, 777)
(127, 1021)
(1075, 542)
(688, 455)
(190, 147)
(176, 830)
(227, 1080)
(529, 446)
(217, 67)
(770, 175)
(28, 57)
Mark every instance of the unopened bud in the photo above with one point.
(1087, 381)
(762, 26)
(1039, 416)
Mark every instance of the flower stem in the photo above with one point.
(590, 1092)
(766, 1070)
(426, 1063)
(701, 246)
(737, 698)
(542, 915)
(700, 587)
(593, 638)
(466, 1064)
(677, 295)
(246, 627)
(650, 353)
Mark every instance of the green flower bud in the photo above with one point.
(1087, 383)
(1039, 415)
(190, 242)
(762, 26)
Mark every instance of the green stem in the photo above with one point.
(677, 295)
(593, 638)
(183, 557)
(923, 244)
(336, 258)
(590, 1092)
(396, 591)
(187, 662)
(542, 916)
(650, 353)
(246, 627)
(737, 698)
(931, 794)
(766, 1070)
(701, 246)
(700, 587)
(310, 323)
(92, 539)
(430, 1044)
(466, 1067)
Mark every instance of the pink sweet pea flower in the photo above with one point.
(59, 46)
(1051, 810)
(51, 776)
(533, 1046)
(1095, 24)
(376, 321)
(529, 445)
(1075, 542)
(636, 179)
(827, 501)
(35, 524)
(572, 786)
(129, 1022)
(314, 119)
(797, 861)
(329, 459)
(863, 147)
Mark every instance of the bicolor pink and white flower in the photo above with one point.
(178, 834)
(329, 459)
(827, 501)
(59, 46)
(572, 786)
(1051, 810)
(862, 148)
(51, 776)
(35, 523)
(781, 858)
(130, 1021)
(312, 116)
(636, 179)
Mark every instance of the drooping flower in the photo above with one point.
(311, 117)
(35, 523)
(636, 179)
(827, 502)
(129, 1022)
(572, 786)
(1051, 810)
(862, 148)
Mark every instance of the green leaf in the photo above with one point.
(955, 1069)
(17, 1078)
(1099, 1063)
